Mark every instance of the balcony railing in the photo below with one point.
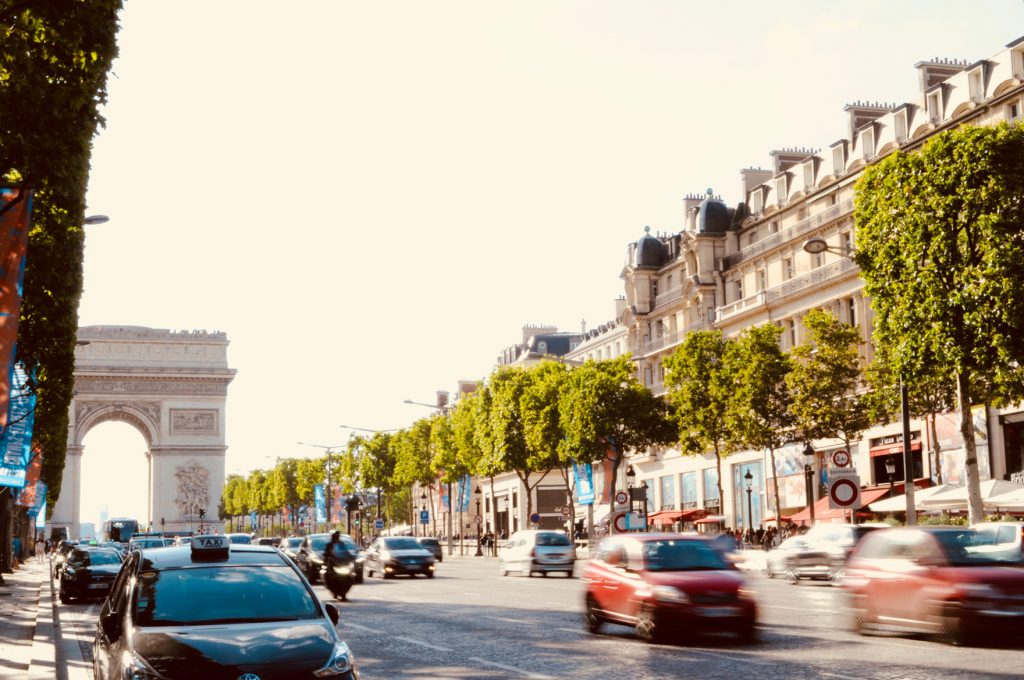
(812, 279)
(746, 303)
(789, 233)
(670, 295)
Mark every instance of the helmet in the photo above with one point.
(336, 535)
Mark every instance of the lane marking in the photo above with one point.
(520, 673)
(413, 641)
(363, 628)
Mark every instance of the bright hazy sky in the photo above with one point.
(372, 198)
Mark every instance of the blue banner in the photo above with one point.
(40, 500)
(41, 517)
(584, 483)
(252, 520)
(462, 504)
(321, 503)
(16, 441)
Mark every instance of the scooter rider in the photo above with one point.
(336, 554)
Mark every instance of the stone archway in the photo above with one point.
(172, 387)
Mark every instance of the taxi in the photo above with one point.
(216, 610)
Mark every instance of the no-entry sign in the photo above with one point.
(844, 493)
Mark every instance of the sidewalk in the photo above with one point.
(30, 634)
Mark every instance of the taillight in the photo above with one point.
(533, 552)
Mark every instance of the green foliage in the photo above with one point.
(54, 59)
(541, 417)
(308, 473)
(258, 492)
(825, 379)
(282, 485)
(414, 453)
(377, 462)
(474, 442)
(235, 496)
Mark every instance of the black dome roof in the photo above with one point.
(650, 251)
(714, 217)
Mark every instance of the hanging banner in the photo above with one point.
(41, 517)
(253, 520)
(16, 440)
(38, 499)
(26, 496)
(464, 493)
(15, 215)
(442, 494)
(584, 483)
(321, 503)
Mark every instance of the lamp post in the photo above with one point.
(423, 506)
(479, 550)
(819, 245)
(442, 407)
(630, 478)
(327, 494)
(890, 469)
(750, 504)
(809, 475)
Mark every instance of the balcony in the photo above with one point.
(812, 279)
(670, 295)
(789, 233)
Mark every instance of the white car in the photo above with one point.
(775, 559)
(535, 550)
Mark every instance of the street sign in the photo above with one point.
(619, 522)
(566, 510)
(621, 498)
(844, 493)
(842, 472)
(535, 518)
(841, 458)
(636, 520)
(378, 524)
(424, 517)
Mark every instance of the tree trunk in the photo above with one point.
(721, 491)
(975, 508)
(430, 499)
(775, 483)
(933, 434)
(616, 462)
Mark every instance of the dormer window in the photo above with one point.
(900, 123)
(808, 175)
(780, 190)
(1017, 58)
(867, 142)
(542, 347)
(1013, 111)
(839, 159)
(934, 105)
(756, 201)
(976, 84)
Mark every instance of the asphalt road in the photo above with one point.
(470, 623)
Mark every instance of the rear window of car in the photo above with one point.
(143, 543)
(88, 558)
(401, 544)
(240, 538)
(292, 542)
(221, 594)
(552, 539)
(681, 555)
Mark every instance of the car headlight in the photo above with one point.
(133, 667)
(340, 661)
(669, 594)
(70, 571)
(344, 571)
(746, 593)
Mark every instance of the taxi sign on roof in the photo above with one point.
(210, 547)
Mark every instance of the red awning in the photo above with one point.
(893, 449)
(823, 512)
(693, 514)
(664, 516)
(710, 520)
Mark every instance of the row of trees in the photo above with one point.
(725, 395)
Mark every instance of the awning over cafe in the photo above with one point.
(893, 449)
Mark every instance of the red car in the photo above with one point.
(940, 580)
(664, 584)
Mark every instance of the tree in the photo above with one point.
(283, 490)
(308, 473)
(377, 463)
(760, 413)
(474, 443)
(941, 250)
(543, 425)
(825, 380)
(699, 393)
(605, 412)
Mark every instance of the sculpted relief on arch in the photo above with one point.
(193, 488)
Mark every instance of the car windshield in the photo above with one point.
(402, 544)
(240, 538)
(681, 555)
(221, 594)
(292, 542)
(552, 539)
(429, 541)
(318, 543)
(95, 557)
(148, 543)
(971, 548)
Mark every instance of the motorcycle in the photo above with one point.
(339, 573)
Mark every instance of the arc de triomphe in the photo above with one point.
(171, 386)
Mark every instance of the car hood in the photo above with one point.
(724, 580)
(270, 650)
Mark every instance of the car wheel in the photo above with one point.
(64, 597)
(952, 628)
(748, 635)
(591, 619)
(544, 574)
(793, 578)
(647, 628)
(861, 618)
(428, 574)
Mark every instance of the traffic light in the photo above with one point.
(355, 518)
(352, 503)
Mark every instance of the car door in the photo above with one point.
(107, 644)
(373, 557)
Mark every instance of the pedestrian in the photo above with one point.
(759, 535)
(40, 549)
(16, 552)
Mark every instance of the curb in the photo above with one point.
(53, 655)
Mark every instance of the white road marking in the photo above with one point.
(511, 669)
(362, 628)
(505, 619)
(413, 641)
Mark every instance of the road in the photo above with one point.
(469, 623)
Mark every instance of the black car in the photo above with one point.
(60, 555)
(310, 555)
(217, 610)
(393, 555)
(88, 573)
(290, 546)
(433, 545)
(825, 550)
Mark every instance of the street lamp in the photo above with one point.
(890, 469)
(479, 550)
(809, 474)
(750, 506)
(442, 407)
(423, 504)
(818, 245)
(328, 449)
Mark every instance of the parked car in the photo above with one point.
(776, 559)
(1002, 538)
(88, 573)
(536, 551)
(433, 545)
(825, 550)
(389, 556)
(665, 585)
(939, 580)
(310, 555)
(240, 539)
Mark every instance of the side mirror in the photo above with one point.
(332, 612)
(111, 625)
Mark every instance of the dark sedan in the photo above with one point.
(217, 610)
(88, 573)
(433, 545)
(393, 555)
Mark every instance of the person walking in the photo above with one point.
(40, 549)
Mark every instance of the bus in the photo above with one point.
(120, 529)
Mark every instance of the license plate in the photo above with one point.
(718, 612)
(97, 585)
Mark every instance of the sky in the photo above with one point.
(372, 199)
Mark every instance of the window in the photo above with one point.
(846, 238)
(739, 290)
(934, 105)
(668, 492)
(818, 259)
(1013, 111)
(791, 332)
(851, 311)
(787, 269)
(762, 279)
(710, 486)
(838, 160)
(900, 122)
(867, 143)
(688, 483)
(808, 175)
(780, 190)
(751, 237)
(648, 378)
(976, 85)
(756, 201)
(773, 228)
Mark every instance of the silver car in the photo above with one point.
(533, 550)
